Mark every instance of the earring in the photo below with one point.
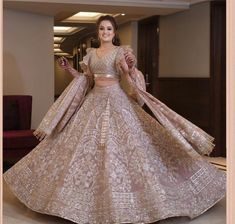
(114, 39)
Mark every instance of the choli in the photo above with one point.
(105, 66)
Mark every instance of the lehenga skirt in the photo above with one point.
(114, 163)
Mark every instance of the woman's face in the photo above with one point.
(106, 31)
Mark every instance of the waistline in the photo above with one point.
(103, 75)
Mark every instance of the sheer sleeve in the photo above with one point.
(85, 61)
(85, 65)
(123, 49)
(134, 76)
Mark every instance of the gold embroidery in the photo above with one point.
(145, 174)
(105, 126)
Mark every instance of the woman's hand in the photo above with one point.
(125, 70)
(64, 63)
(123, 66)
(130, 59)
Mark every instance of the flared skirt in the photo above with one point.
(114, 163)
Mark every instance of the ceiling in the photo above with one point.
(134, 10)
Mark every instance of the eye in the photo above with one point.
(101, 28)
(109, 28)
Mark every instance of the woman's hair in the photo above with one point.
(116, 40)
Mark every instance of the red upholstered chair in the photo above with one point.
(18, 138)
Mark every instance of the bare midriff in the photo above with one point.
(105, 81)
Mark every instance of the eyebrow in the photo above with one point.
(107, 26)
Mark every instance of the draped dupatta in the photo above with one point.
(194, 139)
(68, 102)
(64, 107)
(185, 132)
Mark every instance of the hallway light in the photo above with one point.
(83, 16)
(87, 14)
(56, 45)
(66, 30)
(63, 54)
(58, 39)
(57, 50)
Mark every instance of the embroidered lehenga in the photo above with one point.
(105, 160)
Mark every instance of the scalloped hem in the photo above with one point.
(145, 222)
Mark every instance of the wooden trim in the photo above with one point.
(188, 97)
(148, 46)
(200, 100)
(218, 75)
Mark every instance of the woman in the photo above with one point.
(105, 160)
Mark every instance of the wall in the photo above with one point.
(28, 59)
(128, 35)
(185, 43)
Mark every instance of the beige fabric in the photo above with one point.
(184, 131)
(114, 163)
(64, 107)
(108, 161)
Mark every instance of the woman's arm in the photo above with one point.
(64, 63)
(134, 77)
(130, 59)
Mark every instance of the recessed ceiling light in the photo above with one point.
(58, 39)
(57, 50)
(87, 14)
(123, 14)
(61, 28)
(89, 17)
(56, 45)
(62, 54)
(66, 30)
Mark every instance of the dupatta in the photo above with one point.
(191, 137)
(185, 132)
(64, 107)
(68, 102)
